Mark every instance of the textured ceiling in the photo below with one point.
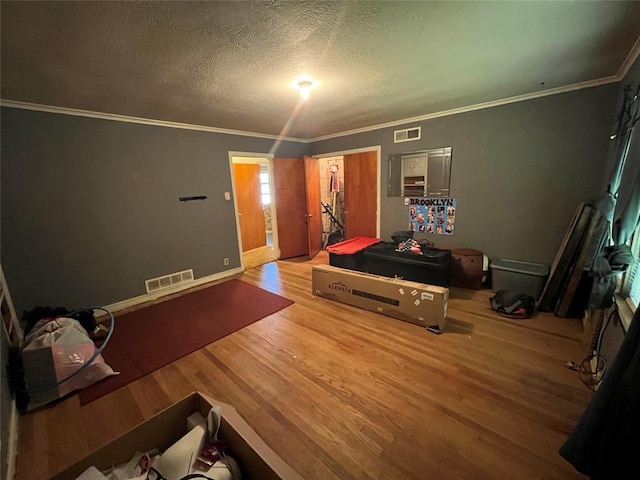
(231, 64)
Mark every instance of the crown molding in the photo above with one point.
(340, 153)
(631, 58)
(633, 55)
(478, 106)
(144, 121)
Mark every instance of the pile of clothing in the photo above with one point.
(411, 246)
(407, 244)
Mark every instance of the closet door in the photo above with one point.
(360, 194)
(291, 206)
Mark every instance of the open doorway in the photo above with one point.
(350, 184)
(253, 191)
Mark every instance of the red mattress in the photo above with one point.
(351, 246)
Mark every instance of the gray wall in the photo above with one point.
(90, 207)
(518, 170)
(633, 75)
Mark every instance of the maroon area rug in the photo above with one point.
(154, 336)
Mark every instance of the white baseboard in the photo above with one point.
(148, 297)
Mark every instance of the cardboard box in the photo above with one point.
(257, 461)
(414, 302)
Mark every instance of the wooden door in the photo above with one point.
(360, 194)
(250, 212)
(314, 222)
(291, 206)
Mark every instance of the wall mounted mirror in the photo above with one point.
(426, 173)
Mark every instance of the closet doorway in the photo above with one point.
(253, 187)
(349, 190)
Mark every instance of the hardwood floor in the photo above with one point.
(259, 256)
(343, 393)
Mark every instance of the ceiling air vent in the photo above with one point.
(167, 281)
(407, 135)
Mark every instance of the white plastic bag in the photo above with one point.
(53, 352)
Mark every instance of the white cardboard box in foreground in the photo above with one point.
(257, 461)
(414, 302)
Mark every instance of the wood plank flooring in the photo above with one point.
(343, 393)
(259, 256)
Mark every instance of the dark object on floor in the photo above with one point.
(431, 266)
(518, 276)
(152, 337)
(434, 329)
(33, 316)
(513, 304)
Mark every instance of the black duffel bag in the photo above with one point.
(513, 304)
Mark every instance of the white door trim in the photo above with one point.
(261, 159)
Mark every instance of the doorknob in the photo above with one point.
(310, 214)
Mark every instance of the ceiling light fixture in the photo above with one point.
(305, 87)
